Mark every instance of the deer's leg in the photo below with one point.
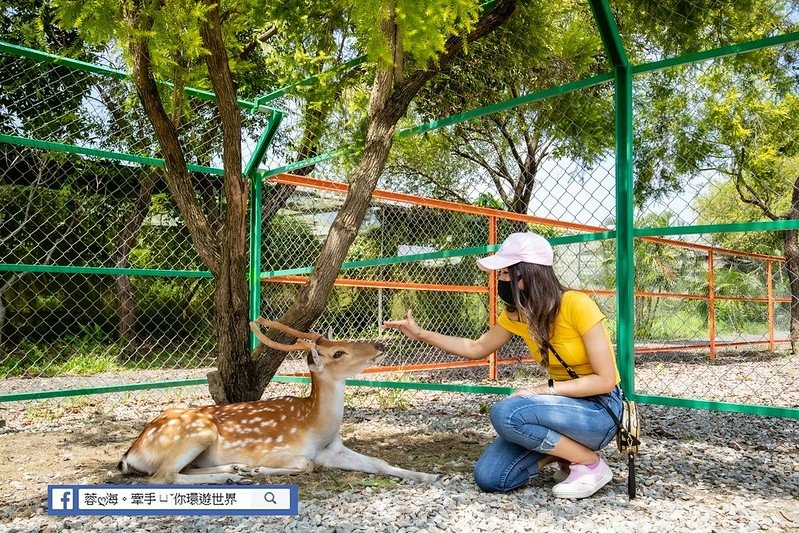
(336, 455)
(180, 454)
(285, 465)
(230, 468)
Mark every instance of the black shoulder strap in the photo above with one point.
(569, 369)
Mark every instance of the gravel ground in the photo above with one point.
(697, 471)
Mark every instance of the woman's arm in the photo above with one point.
(488, 343)
(601, 358)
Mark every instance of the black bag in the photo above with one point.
(628, 437)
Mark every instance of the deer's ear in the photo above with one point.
(315, 363)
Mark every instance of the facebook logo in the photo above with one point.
(62, 499)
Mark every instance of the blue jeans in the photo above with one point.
(530, 426)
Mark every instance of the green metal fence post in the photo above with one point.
(623, 107)
(256, 200)
(625, 259)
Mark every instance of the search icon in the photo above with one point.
(269, 497)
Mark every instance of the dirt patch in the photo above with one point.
(83, 446)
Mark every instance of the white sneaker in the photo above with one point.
(583, 481)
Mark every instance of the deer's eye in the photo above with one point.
(338, 354)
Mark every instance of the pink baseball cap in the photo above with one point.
(519, 247)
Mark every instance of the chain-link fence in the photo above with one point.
(101, 285)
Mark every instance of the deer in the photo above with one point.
(277, 436)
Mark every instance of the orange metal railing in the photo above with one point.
(492, 216)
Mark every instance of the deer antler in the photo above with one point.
(311, 336)
(299, 345)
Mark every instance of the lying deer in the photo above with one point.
(285, 435)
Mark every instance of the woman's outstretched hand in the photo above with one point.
(408, 326)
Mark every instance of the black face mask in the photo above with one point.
(504, 292)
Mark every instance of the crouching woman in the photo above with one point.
(564, 419)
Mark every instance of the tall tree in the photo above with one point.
(174, 36)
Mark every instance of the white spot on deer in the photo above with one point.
(282, 417)
(279, 438)
(268, 440)
(293, 430)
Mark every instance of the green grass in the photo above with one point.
(87, 358)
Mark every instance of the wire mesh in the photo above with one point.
(714, 143)
(657, 31)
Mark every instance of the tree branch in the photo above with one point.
(494, 174)
(508, 139)
(740, 184)
(178, 178)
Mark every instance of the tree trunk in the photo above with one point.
(231, 294)
(227, 260)
(388, 102)
(791, 251)
(126, 303)
(178, 179)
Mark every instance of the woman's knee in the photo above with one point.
(502, 411)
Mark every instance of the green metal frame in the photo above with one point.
(625, 290)
(75, 64)
(621, 75)
(256, 201)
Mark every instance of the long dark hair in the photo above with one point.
(538, 303)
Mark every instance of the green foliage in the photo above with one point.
(723, 203)
(422, 26)
(735, 116)
(657, 269)
(31, 23)
(288, 242)
(173, 38)
(485, 199)
(739, 280)
(164, 241)
(424, 165)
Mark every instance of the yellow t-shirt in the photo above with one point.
(578, 313)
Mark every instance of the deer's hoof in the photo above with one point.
(242, 469)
